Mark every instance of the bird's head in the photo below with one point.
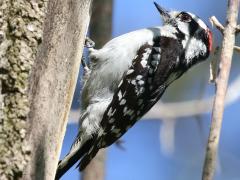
(192, 32)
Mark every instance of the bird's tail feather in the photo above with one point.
(70, 159)
(87, 158)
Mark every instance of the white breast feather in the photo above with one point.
(194, 48)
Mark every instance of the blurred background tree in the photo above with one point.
(100, 30)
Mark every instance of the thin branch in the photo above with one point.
(237, 48)
(221, 88)
(212, 71)
(238, 29)
(214, 21)
(213, 66)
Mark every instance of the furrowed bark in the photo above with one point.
(221, 87)
(53, 81)
(21, 25)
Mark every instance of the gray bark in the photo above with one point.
(20, 36)
(53, 81)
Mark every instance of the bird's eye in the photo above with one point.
(184, 17)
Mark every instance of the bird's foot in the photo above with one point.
(89, 43)
(85, 66)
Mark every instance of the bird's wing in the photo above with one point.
(135, 95)
(140, 88)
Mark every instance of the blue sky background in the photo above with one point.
(143, 158)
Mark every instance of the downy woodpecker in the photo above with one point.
(129, 75)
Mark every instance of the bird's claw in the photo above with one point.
(89, 43)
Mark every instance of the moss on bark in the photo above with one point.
(20, 35)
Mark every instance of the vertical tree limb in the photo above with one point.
(53, 81)
(100, 32)
(21, 25)
(221, 87)
(101, 22)
(96, 168)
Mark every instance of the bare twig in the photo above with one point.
(212, 70)
(213, 66)
(237, 48)
(217, 24)
(238, 29)
(214, 21)
(221, 88)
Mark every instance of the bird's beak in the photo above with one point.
(163, 12)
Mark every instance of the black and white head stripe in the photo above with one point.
(191, 25)
(198, 21)
(188, 25)
(193, 34)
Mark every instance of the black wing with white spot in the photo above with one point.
(130, 98)
(141, 87)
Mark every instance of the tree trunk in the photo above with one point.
(100, 32)
(53, 81)
(20, 35)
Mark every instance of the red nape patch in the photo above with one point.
(210, 39)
